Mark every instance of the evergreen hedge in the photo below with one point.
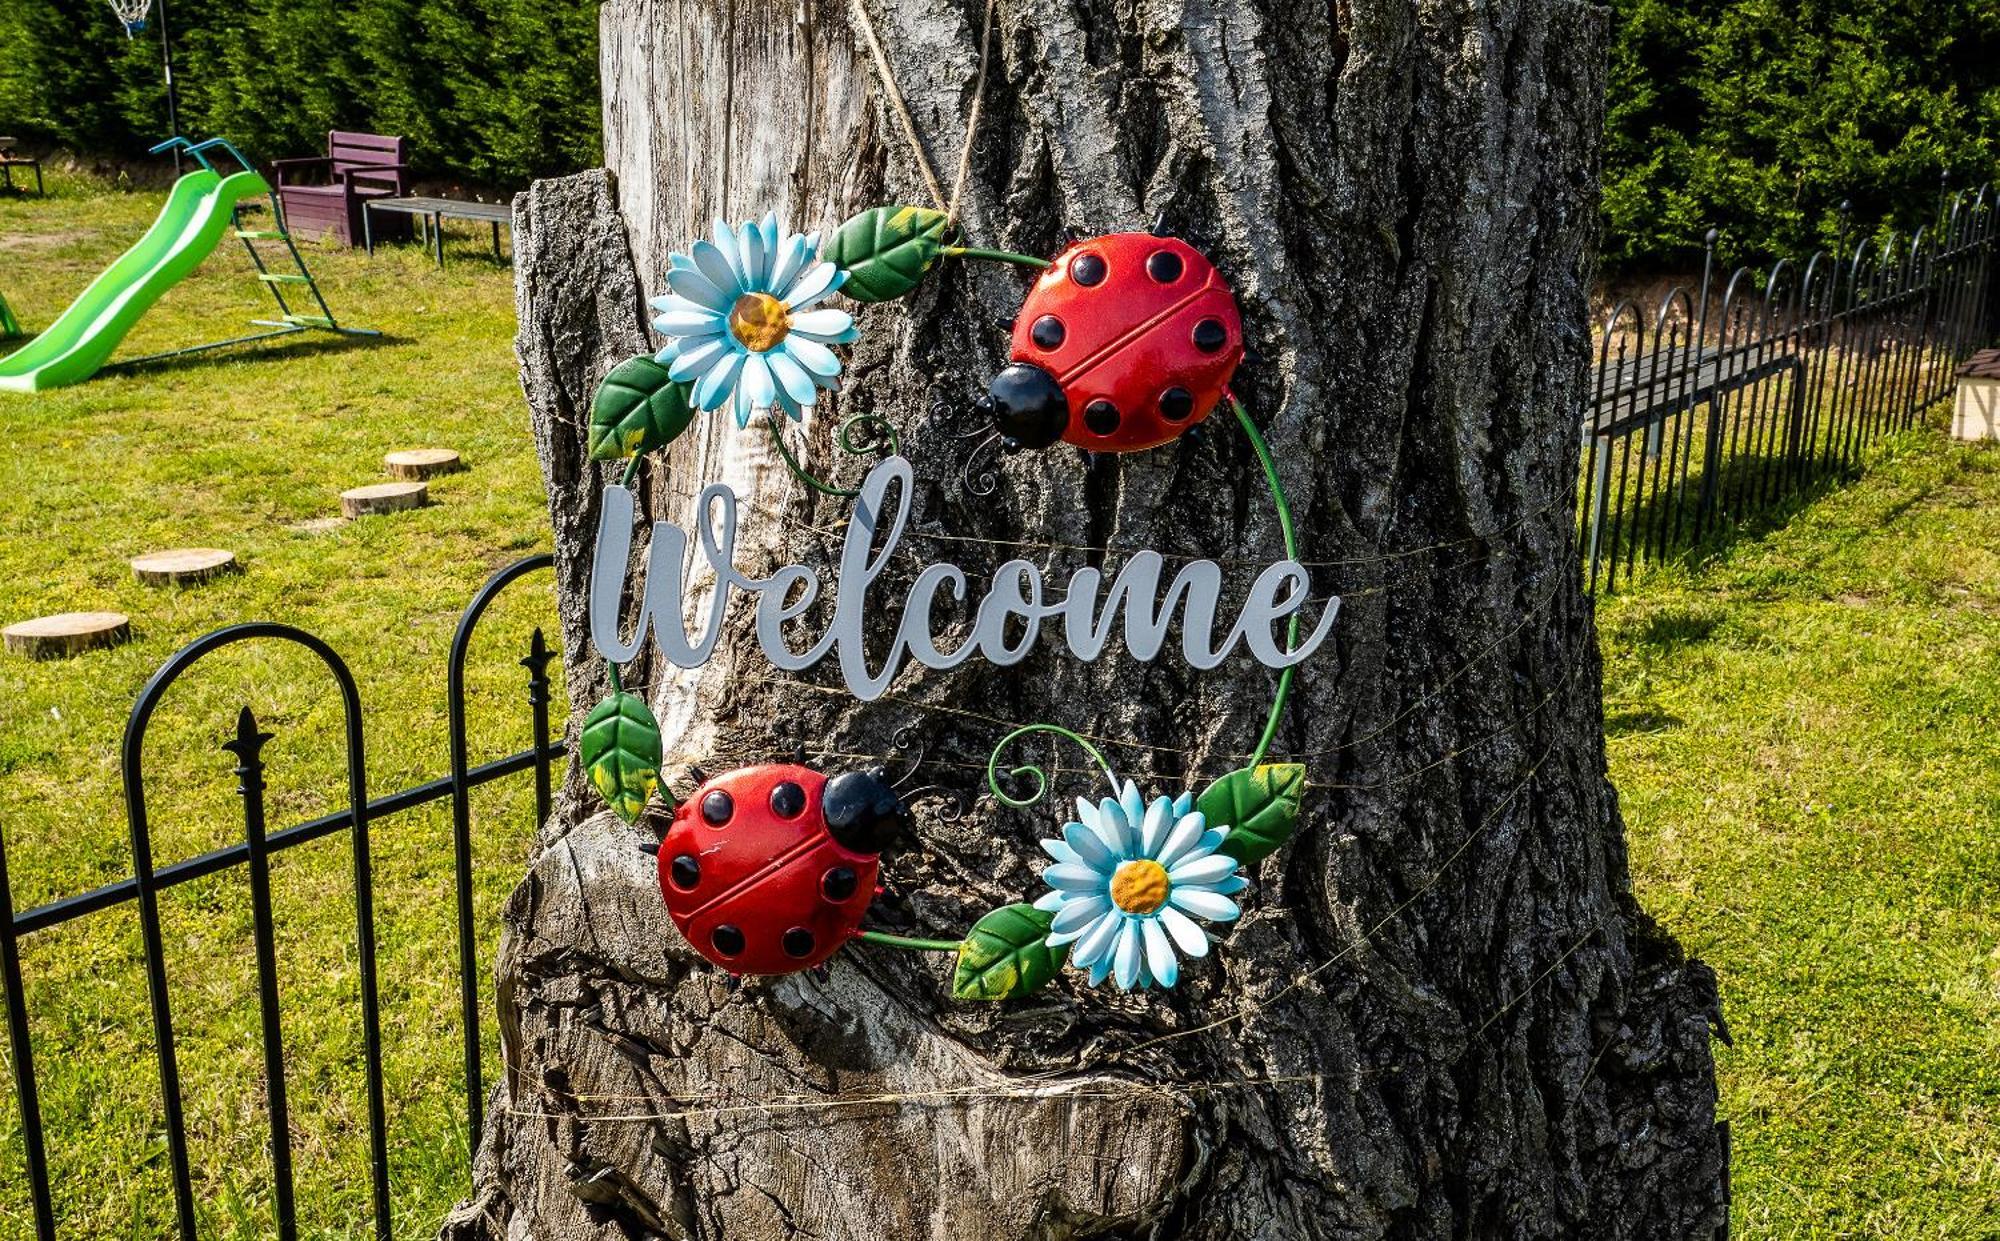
(1758, 117)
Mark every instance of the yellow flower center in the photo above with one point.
(1139, 886)
(759, 321)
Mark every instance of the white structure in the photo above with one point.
(1977, 414)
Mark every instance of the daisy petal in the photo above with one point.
(1230, 886)
(830, 327)
(757, 384)
(692, 357)
(1133, 804)
(1049, 902)
(1186, 832)
(1183, 803)
(1113, 829)
(750, 248)
(694, 287)
(1075, 918)
(792, 378)
(1153, 831)
(818, 280)
(689, 323)
(1188, 937)
(1089, 847)
(1101, 970)
(1095, 944)
(717, 268)
(815, 357)
(739, 401)
(1125, 964)
(1072, 878)
(1204, 870)
(1060, 851)
(719, 381)
(1205, 904)
(792, 258)
(1160, 959)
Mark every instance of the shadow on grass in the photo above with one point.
(275, 349)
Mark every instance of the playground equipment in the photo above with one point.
(10, 327)
(203, 206)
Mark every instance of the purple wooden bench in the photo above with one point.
(322, 195)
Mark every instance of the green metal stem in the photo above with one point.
(1029, 769)
(799, 471)
(904, 941)
(998, 256)
(1291, 553)
(631, 471)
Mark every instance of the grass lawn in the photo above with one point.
(1804, 731)
(248, 450)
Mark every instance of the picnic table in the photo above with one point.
(10, 161)
(433, 212)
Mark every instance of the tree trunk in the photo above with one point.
(1442, 1014)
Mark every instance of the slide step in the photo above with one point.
(309, 320)
(273, 277)
(260, 234)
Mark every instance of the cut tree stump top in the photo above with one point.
(420, 463)
(378, 498)
(67, 633)
(183, 566)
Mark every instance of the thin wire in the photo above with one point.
(1284, 508)
(897, 105)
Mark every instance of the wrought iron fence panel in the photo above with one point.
(1739, 394)
(254, 854)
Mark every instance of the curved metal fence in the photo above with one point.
(1719, 401)
(254, 854)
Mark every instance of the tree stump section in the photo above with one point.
(417, 464)
(67, 633)
(378, 499)
(183, 566)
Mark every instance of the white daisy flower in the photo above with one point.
(1127, 877)
(743, 321)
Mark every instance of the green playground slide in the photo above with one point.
(197, 215)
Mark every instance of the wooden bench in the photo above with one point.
(10, 160)
(322, 195)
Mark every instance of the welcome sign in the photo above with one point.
(1008, 621)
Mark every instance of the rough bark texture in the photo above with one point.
(1501, 1045)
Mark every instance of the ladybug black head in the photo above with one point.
(862, 812)
(1027, 406)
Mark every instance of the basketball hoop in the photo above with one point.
(132, 13)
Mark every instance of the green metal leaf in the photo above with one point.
(1259, 806)
(621, 753)
(1006, 954)
(885, 251)
(637, 408)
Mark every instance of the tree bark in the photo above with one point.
(1443, 1014)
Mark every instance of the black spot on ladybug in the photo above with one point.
(1165, 266)
(1088, 270)
(1101, 417)
(788, 800)
(798, 942)
(1210, 336)
(1047, 333)
(728, 940)
(717, 807)
(1176, 403)
(686, 872)
(1028, 406)
(838, 884)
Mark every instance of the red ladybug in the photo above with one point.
(1124, 342)
(768, 869)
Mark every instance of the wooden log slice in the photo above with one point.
(183, 566)
(379, 498)
(67, 633)
(422, 463)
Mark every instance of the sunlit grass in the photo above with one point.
(248, 450)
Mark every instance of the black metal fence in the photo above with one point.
(1723, 400)
(254, 854)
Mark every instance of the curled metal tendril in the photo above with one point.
(951, 808)
(980, 475)
(878, 436)
(906, 740)
(1040, 777)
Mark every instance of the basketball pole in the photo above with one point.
(167, 67)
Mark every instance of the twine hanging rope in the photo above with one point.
(893, 91)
